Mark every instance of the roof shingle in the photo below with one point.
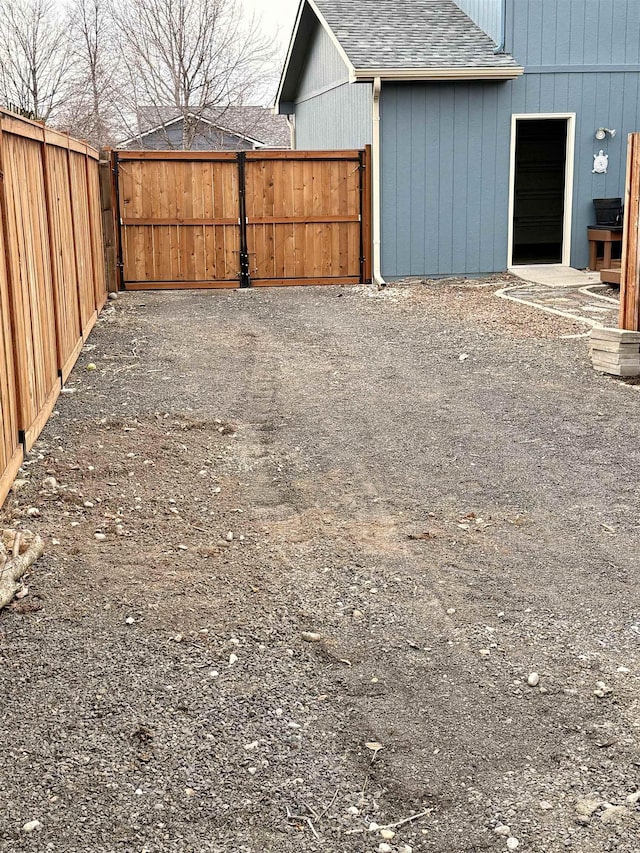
(390, 34)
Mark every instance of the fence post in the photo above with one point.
(109, 213)
(630, 272)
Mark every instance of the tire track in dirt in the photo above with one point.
(324, 520)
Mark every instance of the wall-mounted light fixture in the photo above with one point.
(601, 133)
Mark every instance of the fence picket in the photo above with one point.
(278, 218)
(40, 290)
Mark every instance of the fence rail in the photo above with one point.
(52, 275)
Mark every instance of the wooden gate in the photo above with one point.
(221, 219)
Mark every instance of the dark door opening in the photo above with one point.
(539, 192)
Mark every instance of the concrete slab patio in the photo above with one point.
(555, 275)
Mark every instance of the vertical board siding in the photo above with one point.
(487, 14)
(47, 225)
(340, 118)
(99, 274)
(573, 32)
(324, 66)
(330, 112)
(446, 165)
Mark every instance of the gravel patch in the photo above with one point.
(327, 569)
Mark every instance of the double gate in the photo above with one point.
(221, 219)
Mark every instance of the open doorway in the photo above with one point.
(542, 155)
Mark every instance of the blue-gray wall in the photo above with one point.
(446, 162)
(487, 14)
(581, 33)
(446, 147)
(330, 112)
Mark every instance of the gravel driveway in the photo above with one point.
(305, 550)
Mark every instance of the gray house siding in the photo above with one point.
(340, 118)
(330, 112)
(581, 33)
(324, 66)
(446, 164)
(487, 14)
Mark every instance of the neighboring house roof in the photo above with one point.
(397, 39)
(257, 125)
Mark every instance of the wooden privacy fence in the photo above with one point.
(630, 272)
(52, 280)
(222, 219)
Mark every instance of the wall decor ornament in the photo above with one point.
(600, 163)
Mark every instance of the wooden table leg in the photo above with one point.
(593, 254)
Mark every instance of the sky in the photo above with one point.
(276, 19)
(277, 16)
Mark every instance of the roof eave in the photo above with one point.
(285, 68)
(440, 74)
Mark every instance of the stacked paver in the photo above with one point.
(615, 351)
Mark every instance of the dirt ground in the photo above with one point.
(430, 480)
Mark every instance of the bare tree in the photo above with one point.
(91, 109)
(187, 58)
(34, 56)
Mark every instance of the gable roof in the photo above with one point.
(257, 125)
(398, 39)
